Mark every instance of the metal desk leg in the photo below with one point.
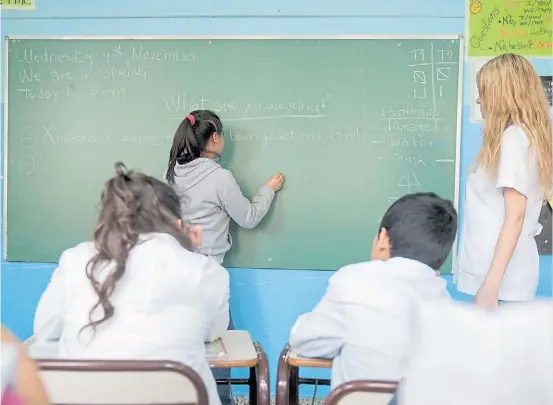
(283, 379)
(252, 384)
(260, 391)
(294, 385)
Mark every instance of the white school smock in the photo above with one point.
(467, 355)
(167, 304)
(363, 321)
(484, 215)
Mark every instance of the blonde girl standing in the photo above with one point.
(498, 256)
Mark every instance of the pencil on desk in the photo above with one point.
(223, 345)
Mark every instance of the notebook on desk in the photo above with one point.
(215, 349)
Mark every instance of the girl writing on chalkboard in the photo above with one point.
(210, 196)
(137, 291)
(498, 257)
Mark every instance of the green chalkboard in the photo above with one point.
(352, 123)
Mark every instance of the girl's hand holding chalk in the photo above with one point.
(276, 181)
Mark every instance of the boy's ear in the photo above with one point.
(383, 238)
(381, 245)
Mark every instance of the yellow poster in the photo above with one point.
(17, 4)
(509, 26)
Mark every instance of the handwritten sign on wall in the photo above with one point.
(17, 4)
(500, 26)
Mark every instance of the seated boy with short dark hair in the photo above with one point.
(365, 318)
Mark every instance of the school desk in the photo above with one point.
(242, 352)
(288, 376)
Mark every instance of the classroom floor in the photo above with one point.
(303, 401)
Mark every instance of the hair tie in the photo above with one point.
(190, 118)
(122, 171)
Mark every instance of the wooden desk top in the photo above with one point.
(241, 351)
(298, 361)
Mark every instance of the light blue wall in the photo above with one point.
(265, 302)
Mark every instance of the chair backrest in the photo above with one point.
(115, 382)
(362, 393)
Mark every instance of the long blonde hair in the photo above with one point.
(511, 93)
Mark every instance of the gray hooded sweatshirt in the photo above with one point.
(210, 197)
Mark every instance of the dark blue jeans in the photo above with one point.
(225, 391)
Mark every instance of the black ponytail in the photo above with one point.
(191, 138)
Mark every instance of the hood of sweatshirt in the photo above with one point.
(192, 173)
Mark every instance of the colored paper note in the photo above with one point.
(509, 26)
(17, 4)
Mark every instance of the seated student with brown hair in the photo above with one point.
(137, 291)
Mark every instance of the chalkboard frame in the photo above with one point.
(460, 85)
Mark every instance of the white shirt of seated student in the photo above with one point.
(167, 304)
(484, 216)
(364, 319)
(466, 355)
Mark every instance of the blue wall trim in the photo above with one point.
(58, 9)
